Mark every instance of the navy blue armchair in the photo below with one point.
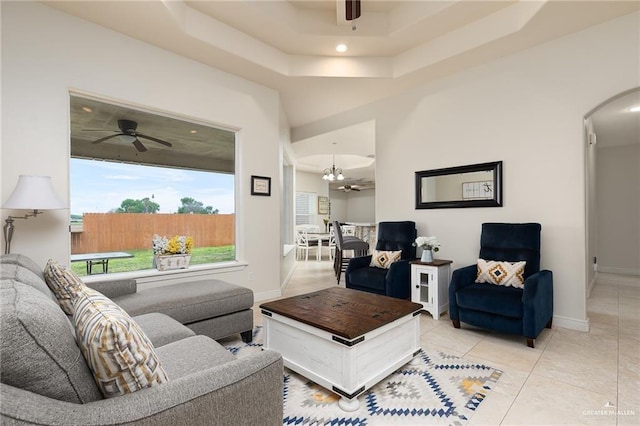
(395, 281)
(523, 311)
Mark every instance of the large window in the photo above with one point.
(135, 174)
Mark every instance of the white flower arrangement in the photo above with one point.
(427, 243)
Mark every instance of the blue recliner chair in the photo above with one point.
(523, 311)
(395, 281)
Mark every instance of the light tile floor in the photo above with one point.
(571, 377)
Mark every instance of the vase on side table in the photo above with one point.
(427, 256)
(167, 262)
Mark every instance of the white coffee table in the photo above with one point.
(344, 340)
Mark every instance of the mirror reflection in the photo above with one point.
(476, 185)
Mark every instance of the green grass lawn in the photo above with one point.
(143, 259)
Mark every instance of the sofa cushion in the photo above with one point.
(14, 271)
(162, 329)
(384, 259)
(370, 278)
(189, 302)
(510, 274)
(122, 358)
(64, 283)
(494, 299)
(22, 260)
(192, 355)
(39, 351)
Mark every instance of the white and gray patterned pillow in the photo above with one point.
(64, 283)
(501, 273)
(384, 259)
(121, 357)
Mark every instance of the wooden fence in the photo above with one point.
(101, 232)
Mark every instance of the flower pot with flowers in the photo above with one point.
(429, 245)
(174, 253)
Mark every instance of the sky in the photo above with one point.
(101, 186)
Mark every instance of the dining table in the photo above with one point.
(319, 237)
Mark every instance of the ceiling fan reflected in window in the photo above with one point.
(128, 130)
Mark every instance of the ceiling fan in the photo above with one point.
(128, 128)
(346, 187)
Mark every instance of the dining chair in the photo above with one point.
(329, 244)
(358, 246)
(348, 230)
(302, 244)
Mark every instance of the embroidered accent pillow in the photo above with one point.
(121, 357)
(64, 284)
(384, 259)
(509, 274)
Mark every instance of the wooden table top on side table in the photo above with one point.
(345, 340)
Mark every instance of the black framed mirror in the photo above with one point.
(474, 185)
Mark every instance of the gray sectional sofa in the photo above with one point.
(45, 379)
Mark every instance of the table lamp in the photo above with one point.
(31, 193)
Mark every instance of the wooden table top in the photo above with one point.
(341, 311)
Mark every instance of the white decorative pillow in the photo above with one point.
(384, 259)
(64, 284)
(121, 357)
(501, 273)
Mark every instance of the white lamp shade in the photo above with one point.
(33, 193)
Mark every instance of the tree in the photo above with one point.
(138, 206)
(189, 205)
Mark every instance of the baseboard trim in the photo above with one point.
(274, 294)
(286, 280)
(592, 284)
(622, 271)
(571, 323)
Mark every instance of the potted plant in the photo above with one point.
(174, 253)
(428, 246)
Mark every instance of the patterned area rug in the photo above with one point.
(440, 389)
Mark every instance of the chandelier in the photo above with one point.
(332, 173)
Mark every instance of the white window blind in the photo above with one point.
(306, 208)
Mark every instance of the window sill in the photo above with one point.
(287, 248)
(153, 275)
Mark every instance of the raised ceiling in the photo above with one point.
(289, 45)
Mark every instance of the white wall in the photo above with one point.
(526, 110)
(362, 206)
(339, 205)
(353, 206)
(45, 53)
(618, 209)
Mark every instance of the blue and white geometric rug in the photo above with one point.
(441, 389)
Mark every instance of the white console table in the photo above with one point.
(430, 285)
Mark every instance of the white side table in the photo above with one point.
(430, 285)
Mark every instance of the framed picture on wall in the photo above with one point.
(261, 185)
(323, 205)
(477, 190)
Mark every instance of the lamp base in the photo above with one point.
(7, 231)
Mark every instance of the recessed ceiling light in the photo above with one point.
(341, 48)
(193, 132)
(635, 109)
(86, 109)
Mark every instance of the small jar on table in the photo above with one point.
(430, 285)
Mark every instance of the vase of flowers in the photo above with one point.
(174, 253)
(429, 245)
